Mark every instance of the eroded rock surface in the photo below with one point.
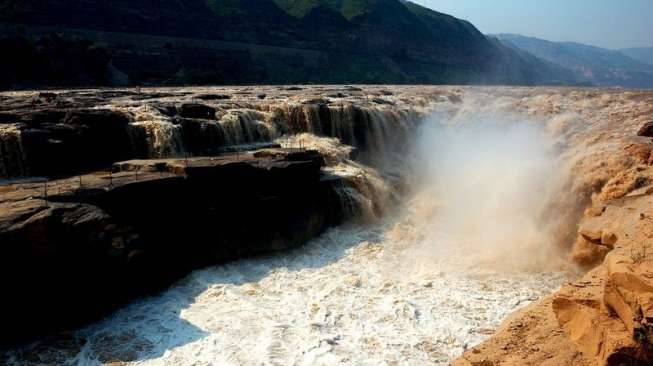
(78, 247)
(69, 132)
(604, 318)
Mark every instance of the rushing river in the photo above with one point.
(437, 275)
(357, 295)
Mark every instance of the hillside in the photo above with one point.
(642, 54)
(600, 66)
(252, 41)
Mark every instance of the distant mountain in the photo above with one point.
(113, 42)
(642, 54)
(600, 66)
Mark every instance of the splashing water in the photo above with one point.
(493, 183)
(346, 298)
(418, 288)
(362, 294)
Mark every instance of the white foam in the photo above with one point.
(349, 297)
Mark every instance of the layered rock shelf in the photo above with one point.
(67, 132)
(603, 318)
(75, 248)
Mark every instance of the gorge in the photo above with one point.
(326, 225)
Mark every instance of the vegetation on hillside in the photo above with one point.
(347, 8)
(277, 41)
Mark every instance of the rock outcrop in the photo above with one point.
(76, 248)
(604, 318)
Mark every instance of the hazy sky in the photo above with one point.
(604, 23)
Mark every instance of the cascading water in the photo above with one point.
(155, 135)
(163, 139)
(152, 134)
(245, 127)
(342, 123)
(404, 289)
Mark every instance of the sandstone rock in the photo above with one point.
(595, 210)
(588, 254)
(591, 230)
(609, 239)
(597, 334)
(531, 336)
(629, 293)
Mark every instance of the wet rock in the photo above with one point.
(646, 130)
(382, 101)
(212, 96)
(337, 95)
(201, 136)
(81, 140)
(169, 110)
(95, 247)
(54, 251)
(196, 110)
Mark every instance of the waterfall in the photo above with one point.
(12, 156)
(313, 120)
(162, 139)
(152, 134)
(246, 127)
(342, 123)
(355, 205)
(365, 192)
(373, 129)
(158, 131)
(378, 130)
